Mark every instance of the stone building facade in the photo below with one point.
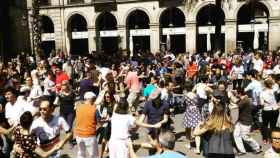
(84, 26)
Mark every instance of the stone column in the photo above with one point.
(230, 34)
(274, 32)
(91, 37)
(67, 37)
(123, 36)
(191, 36)
(154, 37)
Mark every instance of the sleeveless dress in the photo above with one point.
(192, 115)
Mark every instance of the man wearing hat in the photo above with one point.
(85, 128)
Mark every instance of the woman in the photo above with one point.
(192, 116)
(121, 122)
(49, 85)
(192, 70)
(106, 110)
(25, 142)
(217, 131)
(236, 74)
(65, 99)
(270, 110)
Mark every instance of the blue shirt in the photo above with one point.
(148, 90)
(168, 154)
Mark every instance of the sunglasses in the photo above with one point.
(43, 109)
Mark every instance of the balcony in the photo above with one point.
(103, 1)
(105, 5)
(75, 1)
(45, 3)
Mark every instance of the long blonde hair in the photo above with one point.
(218, 120)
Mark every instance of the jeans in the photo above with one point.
(69, 118)
(88, 144)
(242, 132)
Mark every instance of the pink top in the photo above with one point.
(133, 82)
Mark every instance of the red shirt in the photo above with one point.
(59, 78)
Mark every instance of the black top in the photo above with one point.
(221, 143)
(26, 142)
(245, 112)
(66, 103)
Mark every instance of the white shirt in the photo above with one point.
(256, 88)
(27, 105)
(13, 112)
(201, 90)
(267, 72)
(276, 69)
(120, 126)
(258, 65)
(35, 92)
(48, 85)
(46, 131)
(270, 153)
(238, 71)
(268, 100)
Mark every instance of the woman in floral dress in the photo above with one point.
(192, 116)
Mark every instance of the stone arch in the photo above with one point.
(50, 20)
(127, 14)
(164, 9)
(193, 14)
(68, 18)
(265, 3)
(100, 15)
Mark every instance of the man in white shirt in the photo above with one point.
(13, 108)
(25, 101)
(255, 87)
(47, 128)
(258, 63)
(35, 89)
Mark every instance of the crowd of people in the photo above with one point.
(224, 98)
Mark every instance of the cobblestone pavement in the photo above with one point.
(71, 151)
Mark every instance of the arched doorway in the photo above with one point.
(78, 35)
(106, 33)
(252, 26)
(210, 22)
(138, 31)
(48, 35)
(172, 28)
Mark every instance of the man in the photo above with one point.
(47, 128)
(156, 111)
(86, 84)
(243, 127)
(166, 144)
(254, 88)
(68, 68)
(13, 108)
(134, 86)
(274, 151)
(26, 102)
(35, 91)
(85, 129)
